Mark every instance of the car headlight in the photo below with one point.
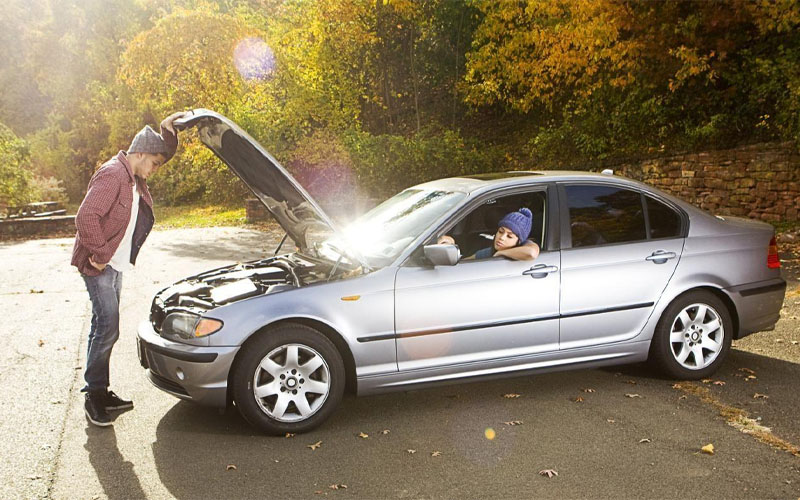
(189, 326)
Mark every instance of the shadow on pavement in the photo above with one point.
(195, 446)
(116, 475)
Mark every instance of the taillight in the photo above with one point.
(773, 262)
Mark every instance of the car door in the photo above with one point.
(492, 310)
(616, 260)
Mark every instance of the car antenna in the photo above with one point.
(285, 235)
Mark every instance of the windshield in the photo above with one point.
(384, 232)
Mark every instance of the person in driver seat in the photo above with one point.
(510, 240)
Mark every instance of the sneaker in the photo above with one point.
(114, 402)
(95, 411)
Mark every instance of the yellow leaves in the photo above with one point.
(436, 454)
(760, 396)
(632, 396)
(708, 449)
(230, 467)
(511, 396)
(314, 446)
(363, 435)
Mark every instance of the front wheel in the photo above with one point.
(693, 336)
(289, 379)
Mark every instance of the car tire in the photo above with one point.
(289, 379)
(693, 336)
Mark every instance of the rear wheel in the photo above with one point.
(693, 336)
(289, 379)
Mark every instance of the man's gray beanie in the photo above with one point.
(148, 141)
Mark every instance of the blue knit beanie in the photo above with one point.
(519, 223)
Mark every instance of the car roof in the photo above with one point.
(480, 182)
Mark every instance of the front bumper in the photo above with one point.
(758, 305)
(188, 372)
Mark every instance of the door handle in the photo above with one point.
(540, 271)
(660, 256)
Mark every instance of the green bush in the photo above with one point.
(385, 164)
(15, 179)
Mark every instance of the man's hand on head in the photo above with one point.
(95, 265)
(167, 123)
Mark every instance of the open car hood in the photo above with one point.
(294, 209)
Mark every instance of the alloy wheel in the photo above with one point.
(291, 383)
(697, 336)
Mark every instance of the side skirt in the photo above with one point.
(573, 359)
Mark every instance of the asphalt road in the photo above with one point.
(621, 433)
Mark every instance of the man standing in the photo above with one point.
(113, 222)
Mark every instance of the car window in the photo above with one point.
(664, 221)
(601, 215)
(476, 230)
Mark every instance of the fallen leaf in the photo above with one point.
(578, 399)
(510, 396)
(36, 291)
(314, 446)
(632, 396)
(318, 492)
(747, 370)
(709, 448)
(514, 422)
(230, 467)
(749, 378)
(645, 440)
(411, 452)
(684, 396)
(779, 341)
(706, 380)
(610, 420)
(436, 454)
(588, 390)
(338, 486)
(41, 342)
(385, 431)
(632, 382)
(719, 382)
(548, 472)
(363, 435)
(760, 396)
(794, 342)
(289, 435)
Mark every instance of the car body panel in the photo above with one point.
(474, 311)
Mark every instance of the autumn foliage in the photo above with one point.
(398, 91)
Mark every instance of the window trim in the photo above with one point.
(565, 225)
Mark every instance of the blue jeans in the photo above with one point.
(104, 292)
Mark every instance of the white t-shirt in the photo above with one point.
(121, 260)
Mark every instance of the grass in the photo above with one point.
(185, 216)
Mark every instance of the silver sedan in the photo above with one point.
(625, 273)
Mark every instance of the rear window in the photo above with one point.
(602, 215)
(664, 221)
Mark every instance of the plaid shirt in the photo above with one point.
(106, 210)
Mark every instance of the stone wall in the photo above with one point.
(760, 181)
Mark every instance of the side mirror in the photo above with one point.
(442, 255)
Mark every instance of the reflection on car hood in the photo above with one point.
(294, 209)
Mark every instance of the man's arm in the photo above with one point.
(527, 251)
(169, 133)
(103, 193)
